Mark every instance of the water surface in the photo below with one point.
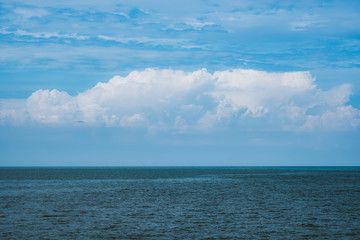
(180, 203)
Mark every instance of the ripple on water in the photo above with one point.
(181, 203)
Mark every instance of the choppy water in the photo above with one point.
(179, 203)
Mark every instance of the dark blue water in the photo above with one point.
(179, 203)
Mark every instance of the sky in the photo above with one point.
(179, 83)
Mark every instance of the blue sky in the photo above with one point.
(130, 83)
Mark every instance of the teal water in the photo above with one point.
(180, 203)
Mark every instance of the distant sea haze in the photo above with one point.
(180, 203)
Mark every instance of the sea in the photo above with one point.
(180, 203)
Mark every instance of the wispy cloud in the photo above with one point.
(31, 12)
(146, 40)
(184, 101)
(20, 32)
(289, 33)
(189, 23)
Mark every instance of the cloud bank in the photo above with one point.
(181, 101)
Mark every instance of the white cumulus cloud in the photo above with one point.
(181, 101)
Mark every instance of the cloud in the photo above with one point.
(342, 117)
(189, 23)
(249, 93)
(219, 34)
(146, 40)
(31, 12)
(48, 107)
(13, 111)
(19, 32)
(183, 101)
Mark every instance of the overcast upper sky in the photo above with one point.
(149, 83)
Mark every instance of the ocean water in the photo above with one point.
(180, 203)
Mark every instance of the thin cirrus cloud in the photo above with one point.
(43, 34)
(273, 35)
(165, 99)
